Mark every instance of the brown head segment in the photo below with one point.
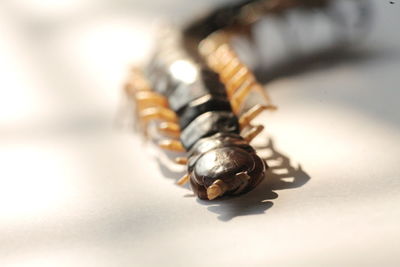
(226, 170)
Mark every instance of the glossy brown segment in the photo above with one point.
(220, 163)
(207, 84)
(208, 124)
(233, 164)
(200, 106)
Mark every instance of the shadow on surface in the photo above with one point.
(281, 175)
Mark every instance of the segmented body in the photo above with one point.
(209, 129)
(195, 85)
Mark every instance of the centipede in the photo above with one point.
(194, 88)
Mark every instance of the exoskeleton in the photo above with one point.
(195, 86)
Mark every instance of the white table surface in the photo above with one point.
(74, 191)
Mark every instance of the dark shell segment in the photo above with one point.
(215, 141)
(202, 105)
(191, 101)
(207, 84)
(223, 156)
(208, 124)
(161, 81)
(222, 163)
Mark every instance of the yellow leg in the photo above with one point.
(242, 76)
(238, 98)
(266, 97)
(233, 72)
(249, 115)
(149, 104)
(169, 128)
(209, 45)
(218, 188)
(183, 180)
(181, 160)
(173, 145)
(237, 77)
(253, 132)
(222, 57)
(147, 99)
(157, 113)
(230, 69)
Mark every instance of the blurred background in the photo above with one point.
(75, 191)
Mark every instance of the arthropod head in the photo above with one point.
(222, 171)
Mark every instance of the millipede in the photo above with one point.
(194, 88)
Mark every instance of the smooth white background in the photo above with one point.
(76, 191)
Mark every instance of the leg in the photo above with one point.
(183, 180)
(181, 160)
(153, 114)
(249, 115)
(240, 95)
(170, 129)
(236, 81)
(253, 132)
(237, 77)
(173, 145)
(157, 113)
(230, 69)
(147, 99)
(218, 188)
